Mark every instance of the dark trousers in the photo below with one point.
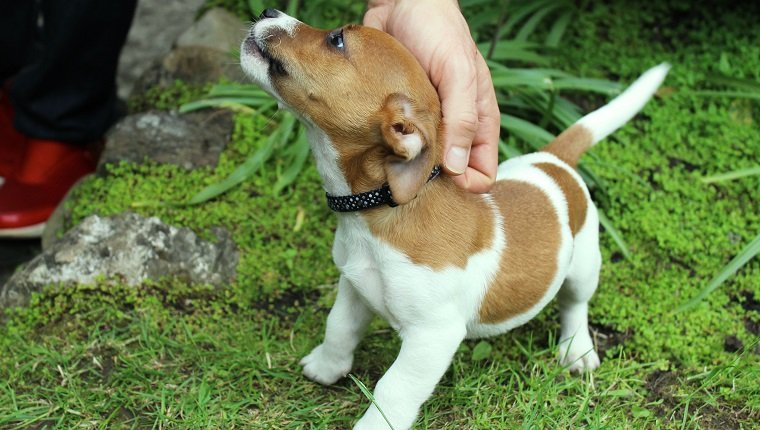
(58, 59)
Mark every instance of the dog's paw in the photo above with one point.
(579, 363)
(578, 355)
(325, 368)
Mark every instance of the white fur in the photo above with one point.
(256, 67)
(413, 144)
(434, 310)
(605, 120)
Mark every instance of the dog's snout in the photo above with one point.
(270, 13)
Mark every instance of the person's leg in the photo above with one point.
(63, 99)
(68, 93)
(17, 35)
(18, 23)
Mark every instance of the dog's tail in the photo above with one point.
(573, 142)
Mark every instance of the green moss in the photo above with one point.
(682, 231)
(169, 97)
(276, 259)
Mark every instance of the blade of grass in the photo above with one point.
(558, 29)
(745, 255)
(235, 103)
(730, 176)
(531, 23)
(531, 133)
(615, 234)
(250, 166)
(738, 83)
(363, 388)
(508, 151)
(300, 151)
(735, 94)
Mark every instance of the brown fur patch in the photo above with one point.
(441, 228)
(576, 199)
(344, 94)
(529, 261)
(570, 144)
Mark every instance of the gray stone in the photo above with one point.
(217, 29)
(195, 65)
(60, 217)
(190, 140)
(127, 246)
(156, 26)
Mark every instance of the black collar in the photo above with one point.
(368, 199)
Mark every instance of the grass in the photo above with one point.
(168, 355)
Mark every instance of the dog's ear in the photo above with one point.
(408, 135)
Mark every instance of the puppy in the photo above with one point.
(438, 263)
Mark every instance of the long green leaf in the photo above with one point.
(250, 166)
(615, 234)
(728, 270)
(508, 151)
(295, 163)
(515, 51)
(738, 83)
(236, 103)
(733, 94)
(363, 388)
(558, 29)
(531, 23)
(730, 176)
(529, 132)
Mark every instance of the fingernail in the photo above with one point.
(456, 160)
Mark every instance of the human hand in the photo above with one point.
(438, 36)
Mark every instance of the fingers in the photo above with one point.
(457, 89)
(461, 76)
(377, 14)
(471, 125)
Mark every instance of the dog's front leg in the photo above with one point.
(346, 324)
(426, 353)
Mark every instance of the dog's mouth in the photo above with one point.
(256, 49)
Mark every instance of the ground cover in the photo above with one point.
(167, 355)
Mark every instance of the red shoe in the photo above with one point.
(48, 170)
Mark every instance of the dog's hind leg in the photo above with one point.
(346, 324)
(576, 347)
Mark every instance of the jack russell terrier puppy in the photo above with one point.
(440, 264)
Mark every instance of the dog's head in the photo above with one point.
(372, 112)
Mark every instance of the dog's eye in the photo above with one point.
(336, 39)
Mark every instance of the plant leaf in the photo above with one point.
(615, 234)
(363, 388)
(250, 166)
(481, 351)
(745, 255)
(730, 176)
(295, 163)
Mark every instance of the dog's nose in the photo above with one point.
(269, 13)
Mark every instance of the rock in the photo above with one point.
(217, 29)
(127, 246)
(60, 217)
(195, 65)
(190, 140)
(205, 53)
(155, 29)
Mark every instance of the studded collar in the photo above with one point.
(369, 199)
